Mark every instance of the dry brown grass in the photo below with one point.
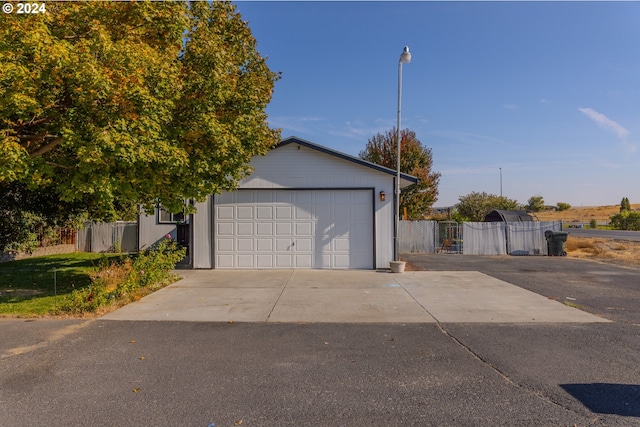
(619, 252)
(582, 214)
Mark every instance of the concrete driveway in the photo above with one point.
(347, 296)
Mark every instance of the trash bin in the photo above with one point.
(555, 242)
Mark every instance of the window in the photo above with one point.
(166, 217)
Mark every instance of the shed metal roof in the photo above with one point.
(509, 216)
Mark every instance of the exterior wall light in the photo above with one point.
(382, 196)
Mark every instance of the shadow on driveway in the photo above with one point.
(602, 398)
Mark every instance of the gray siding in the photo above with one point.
(151, 232)
(201, 225)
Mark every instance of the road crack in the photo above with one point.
(507, 378)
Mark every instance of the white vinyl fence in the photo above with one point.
(478, 238)
(417, 236)
(527, 238)
(108, 237)
(484, 238)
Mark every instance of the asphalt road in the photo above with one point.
(105, 373)
(605, 234)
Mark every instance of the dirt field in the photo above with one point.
(606, 250)
(619, 252)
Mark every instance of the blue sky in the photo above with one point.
(547, 91)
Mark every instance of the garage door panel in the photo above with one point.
(362, 228)
(264, 229)
(284, 261)
(264, 261)
(284, 212)
(225, 261)
(245, 228)
(323, 213)
(341, 261)
(341, 214)
(294, 229)
(225, 229)
(226, 244)
(245, 261)
(302, 213)
(225, 212)
(341, 244)
(244, 212)
(264, 245)
(303, 261)
(283, 245)
(245, 245)
(304, 229)
(304, 245)
(343, 197)
(360, 217)
(325, 261)
(264, 212)
(284, 229)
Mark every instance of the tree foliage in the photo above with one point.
(562, 206)
(415, 159)
(535, 204)
(29, 214)
(105, 104)
(475, 206)
(626, 220)
(625, 205)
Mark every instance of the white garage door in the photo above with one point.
(294, 229)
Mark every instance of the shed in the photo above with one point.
(304, 206)
(507, 216)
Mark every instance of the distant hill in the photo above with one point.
(582, 213)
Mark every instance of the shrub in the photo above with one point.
(626, 220)
(126, 279)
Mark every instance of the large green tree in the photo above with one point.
(475, 206)
(105, 104)
(415, 159)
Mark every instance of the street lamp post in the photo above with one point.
(405, 58)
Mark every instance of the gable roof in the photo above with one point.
(295, 140)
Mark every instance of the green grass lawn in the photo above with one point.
(27, 286)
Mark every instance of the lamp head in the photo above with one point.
(405, 57)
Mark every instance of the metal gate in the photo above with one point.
(449, 237)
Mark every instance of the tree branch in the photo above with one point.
(59, 165)
(47, 147)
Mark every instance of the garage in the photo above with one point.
(327, 228)
(302, 205)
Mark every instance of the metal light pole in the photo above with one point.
(500, 182)
(405, 58)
